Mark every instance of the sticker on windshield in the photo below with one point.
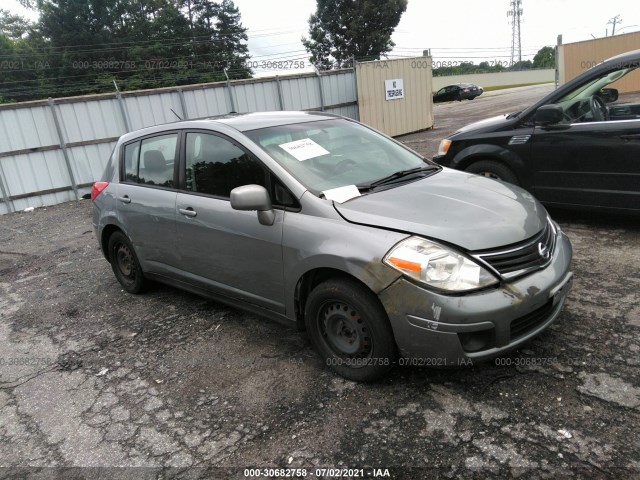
(303, 149)
(342, 194)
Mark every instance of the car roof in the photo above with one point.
(242, 122)
(252, 121)
(633, 55)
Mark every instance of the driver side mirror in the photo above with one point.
(609, 95)
(254, 197)
(549, 114)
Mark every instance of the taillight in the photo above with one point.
(97, 188)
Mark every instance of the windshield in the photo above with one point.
(334, 153)
(590, 88)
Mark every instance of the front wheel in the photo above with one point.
(124, 263)
(350, 329)
(493, 169)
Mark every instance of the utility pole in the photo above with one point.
(515, 18)
(614, 21)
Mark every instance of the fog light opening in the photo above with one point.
(477, 341)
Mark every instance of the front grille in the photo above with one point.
(523, 257)
(525, 324)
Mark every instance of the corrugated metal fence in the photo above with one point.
(52, 151)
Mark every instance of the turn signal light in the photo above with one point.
(443, 148)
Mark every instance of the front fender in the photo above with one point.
(337, 244)
(467, 155)
(482, 151)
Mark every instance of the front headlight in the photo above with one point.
(437, 266)
(443, 148)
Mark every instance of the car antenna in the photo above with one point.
(179, 118)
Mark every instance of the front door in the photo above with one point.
(589, 163)
(226, 249)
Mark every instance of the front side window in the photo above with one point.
(215, 166)
(150, 161)
(587, 102)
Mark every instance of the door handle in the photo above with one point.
(125, 199)
(630, 137)
(188, 212)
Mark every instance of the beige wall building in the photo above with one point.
(576, 58)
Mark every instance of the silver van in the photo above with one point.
(382, 256)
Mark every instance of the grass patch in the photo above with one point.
(503, 87)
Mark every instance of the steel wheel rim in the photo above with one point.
(345, 331)
(125, 262)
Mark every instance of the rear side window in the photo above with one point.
(151, 160)
(131, 153)
(215, 166)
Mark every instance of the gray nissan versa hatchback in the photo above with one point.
(382, 256)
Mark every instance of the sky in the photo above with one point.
(469, 30)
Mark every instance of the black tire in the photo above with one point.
(493, 169)
(125, 264)
(349, 328)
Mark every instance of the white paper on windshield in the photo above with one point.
(342, 194)
(303, 149)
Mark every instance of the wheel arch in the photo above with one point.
(476, 153)
(314, 277)
(107, 231)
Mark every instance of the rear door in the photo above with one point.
(146, 198)
(227, 250)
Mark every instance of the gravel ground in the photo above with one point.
(96, 378)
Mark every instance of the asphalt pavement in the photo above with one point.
(97, 383)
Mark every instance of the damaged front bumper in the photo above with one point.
(447, 330)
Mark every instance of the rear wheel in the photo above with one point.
(124, 263)
(493, 169)
(350, 329)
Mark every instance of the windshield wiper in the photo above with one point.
(396, 176)
(513, 115)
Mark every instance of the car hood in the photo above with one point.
(469, 211)
(489, 124)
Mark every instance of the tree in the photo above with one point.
(13, 26)
(545, 58)
(521, 65)
(81, 46)
(342, 29)
(219, 39)
(230, 36)
(24, 57)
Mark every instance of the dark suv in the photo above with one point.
(576, 147)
